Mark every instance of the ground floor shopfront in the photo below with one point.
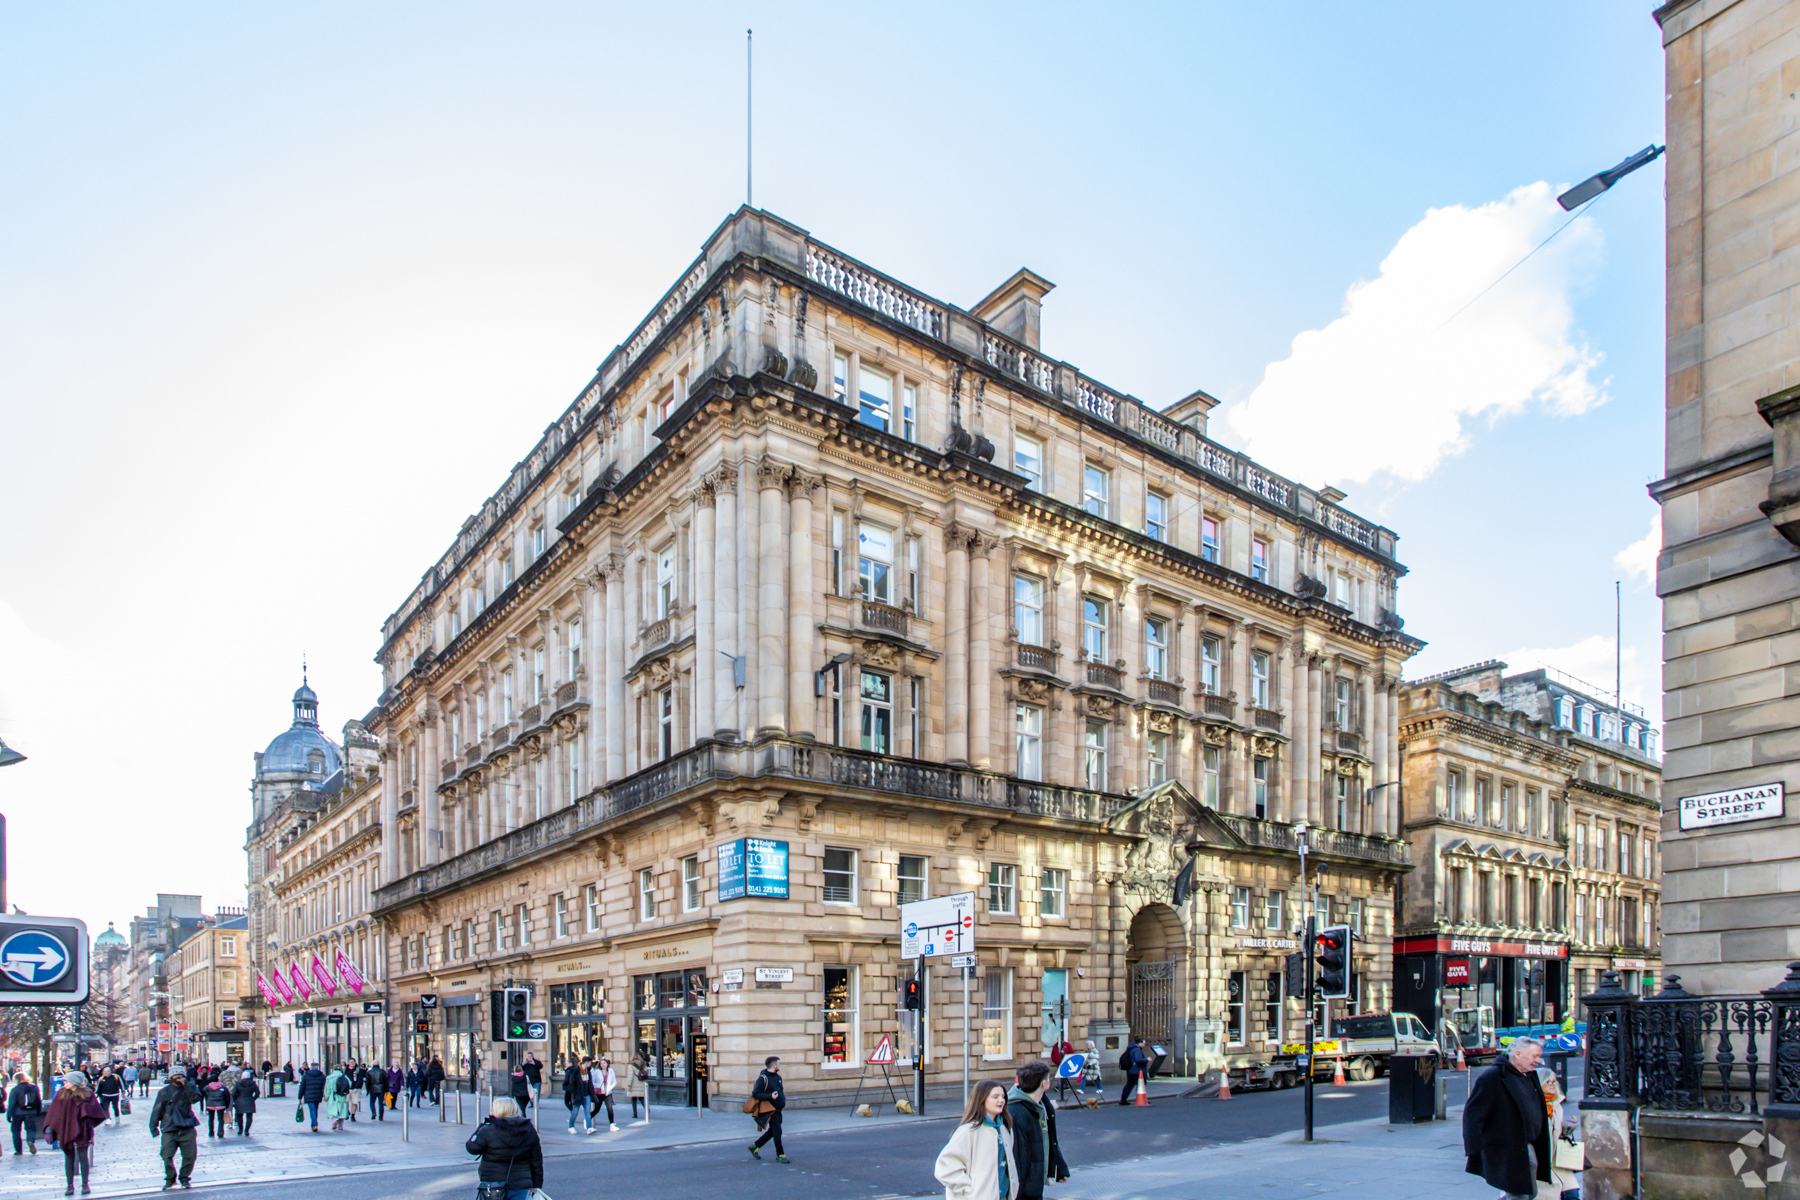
(1524, 983)
(331, 1033)
(1637, 974)
(652, 944)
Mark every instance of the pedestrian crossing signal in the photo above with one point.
(914, 1000)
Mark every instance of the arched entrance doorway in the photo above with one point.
(1155, 954)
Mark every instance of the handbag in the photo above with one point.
(125, 1106)
(1566, 1155)
(299, 1112)
(757, 1108)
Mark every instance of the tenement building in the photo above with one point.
(214, 981)
(1531, 806)
(316, 960)
(825, 596)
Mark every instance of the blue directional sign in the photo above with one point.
(1070, 1066)
(34, 958)
(43, 960)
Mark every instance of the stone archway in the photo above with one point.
(1155, 960)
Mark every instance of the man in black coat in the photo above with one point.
(1506, 1125)
(312, 1092)
(24, 1107)
(172, 1118)
(1035, 1148)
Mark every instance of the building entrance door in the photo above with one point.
(670, 1010)
(1156, 955)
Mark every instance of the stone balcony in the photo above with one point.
(1276, 835)
(835, 767)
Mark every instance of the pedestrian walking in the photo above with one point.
(375, 1085)
(312, 1093)
(24, 1110)
(603, 1084)
(244, 1094)
(415, 1083)
(1035, 1146)
(337, 1098)
(1506, 1125)
(434, 1079)
(635, 1079)
(215, 1098)
(72, 1118)
(578, 1093)
(1133, 1062)
(359, 1080)
(534, 1075)
(978, 1162)
(129, 1077)
(767, 1099)
(512, 1157)
(520, 1088)
(172, 1116)
(396, 1080)
(108, 1089)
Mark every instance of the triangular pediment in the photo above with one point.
(1170, 809)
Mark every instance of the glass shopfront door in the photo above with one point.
(670, 1012)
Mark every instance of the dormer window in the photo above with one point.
(316, 763)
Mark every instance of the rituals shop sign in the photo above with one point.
(1763, 802)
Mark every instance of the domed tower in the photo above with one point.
(299, 771)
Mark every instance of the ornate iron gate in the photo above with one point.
(1150, 1009)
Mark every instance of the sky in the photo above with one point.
(285, 292)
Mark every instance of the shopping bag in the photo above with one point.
(125, 1106)
(300, 1112)
(539, 1194)
(1566, 1155)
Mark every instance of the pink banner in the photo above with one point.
(348, 973)
(268, 993)
(299, 981)
(322, 976)
(281, 986)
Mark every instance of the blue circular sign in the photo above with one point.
(34, 958)
(912, 929)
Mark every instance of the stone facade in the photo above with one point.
(1729, 573)
(1532, 808)
(819, 561)
(214, 982)
(313, 855)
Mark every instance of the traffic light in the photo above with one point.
(1294, 968)
(914, 1000)
(1333, 958)
(518, 1012)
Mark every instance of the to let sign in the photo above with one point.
(1760, 803)
(753, 867)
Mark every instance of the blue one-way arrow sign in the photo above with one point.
(34, 958)
(43, 960)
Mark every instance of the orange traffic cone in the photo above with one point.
(1337, 1080)
(1224, 1086)
(1143, 1095)
(1462, 1064)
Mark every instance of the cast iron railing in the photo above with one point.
(1678, 1052)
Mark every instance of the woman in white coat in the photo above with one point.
(603, 1082)
(978, 1163)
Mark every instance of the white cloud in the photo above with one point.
(1638, 560)
(1590, 661)
(1384, 389)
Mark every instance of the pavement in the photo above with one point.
(1184, 1148)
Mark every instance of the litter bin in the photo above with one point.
(1412, 1089)
(1558, 1061)
(277, 1085)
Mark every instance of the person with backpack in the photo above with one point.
(767, 1099)
(512, 1157)
(375, 1084)
(635, 1078)
(434, 1079)
(215, 1098)
(1134, 1062)
(24, 1109)
(337, 1098)
(108, 1089)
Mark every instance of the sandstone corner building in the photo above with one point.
(824, 596)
